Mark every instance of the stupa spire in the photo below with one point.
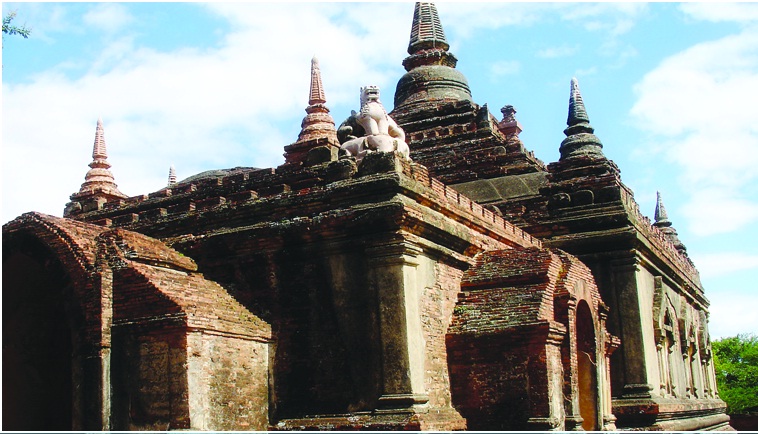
(317, 89)
(661, 217)
(428, 45)
(426, 30)
(431, 67)
(577, 116)
(99, 180)
(580, 138)
(171, 176)
(99, 150)
(663, 223)
(317, 128)
(99, 186)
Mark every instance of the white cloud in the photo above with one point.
(719, 264)
(505, 67)
(607, 22)
(699, 107)
(621, 53)
(585, 72)
(716, 12)
(470, 17)
(718, 211)
(108, 17)
(612, 18)
(732, 315)
(724, 73)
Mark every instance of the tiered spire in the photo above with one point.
(317, 88)
(663, 223)
(580, 138)
(99, 180)
(427, 45)
(171, 176)
(318, 123)
(426, 30)
(661, 217)
(317, 128)
(99, 150)
(431, 68)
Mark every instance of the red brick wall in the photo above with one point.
(490, 381)
(228, 379)
(149, 379)
(436, 308)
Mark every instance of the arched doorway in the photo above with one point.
(587, 388)
(37, 341)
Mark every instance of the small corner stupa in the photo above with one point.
(663, 223)
(171, 176)
(99, 185)
(317, 129)
(580, 138)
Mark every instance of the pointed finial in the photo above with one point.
(580, 138)
(171, 176)
(426, 31)
(577, 115)
(317, 89)
(431, 73)
(317, 128)
(99, 150)
(428, 45)
(661, 217)
(663, 223)
(99, 182)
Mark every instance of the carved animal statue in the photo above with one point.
(382, 134)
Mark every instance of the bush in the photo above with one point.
(736, 363)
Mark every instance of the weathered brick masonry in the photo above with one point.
(473, 287)
(137, 313)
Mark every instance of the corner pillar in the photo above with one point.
(546, 380)
(573, 420)
(393, 277)
(92, 359)
(631, 321)
(607, 344)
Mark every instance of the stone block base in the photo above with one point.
(379, 420)
(671, 414)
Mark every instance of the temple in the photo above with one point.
(412, 269)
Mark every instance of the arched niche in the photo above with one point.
(41, 334)
(667, 348)
(587, 372)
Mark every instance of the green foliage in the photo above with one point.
(10, 29)
(736, 363)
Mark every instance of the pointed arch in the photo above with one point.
(587, 373)
(90, 309)
(587, 348)
(51, 303)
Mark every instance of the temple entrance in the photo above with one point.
(587, 367)
(37, 344)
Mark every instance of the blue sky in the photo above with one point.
(670, 88)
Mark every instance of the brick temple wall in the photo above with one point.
(437, 303)
(130, 304)
(230, 380)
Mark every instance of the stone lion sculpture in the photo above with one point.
(380, 132)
